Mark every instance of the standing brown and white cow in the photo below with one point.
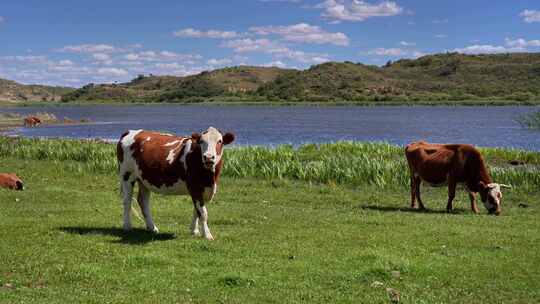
(438, 164)
(174, 165)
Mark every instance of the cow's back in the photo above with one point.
(430, 162)
(157, 160)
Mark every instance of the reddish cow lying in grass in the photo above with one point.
(438, 164)
(32, 121)
(11, 181)
(173, 165)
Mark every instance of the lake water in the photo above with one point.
(272, 125)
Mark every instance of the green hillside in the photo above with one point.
(440, 77)
(12, 91)
(234, 81)
(435, 77)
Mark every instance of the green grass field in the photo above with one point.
(281, 236)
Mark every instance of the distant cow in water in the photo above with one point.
(32, 121)
(438, 164)
(11, 181)
(174, 165)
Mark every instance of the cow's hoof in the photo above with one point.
(195, 233)
(127, 228)
(154, 229)
(209, 237)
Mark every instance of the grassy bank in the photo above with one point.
(279, 239)
(346, 163)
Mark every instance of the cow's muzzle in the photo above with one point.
(208, 164)
(494, 211)
(209, 161)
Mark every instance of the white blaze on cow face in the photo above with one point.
(493, 198)
(211, 143)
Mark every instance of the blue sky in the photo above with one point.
(72, 43)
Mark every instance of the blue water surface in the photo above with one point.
(273, 125)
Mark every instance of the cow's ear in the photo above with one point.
(228, 138)
(196, 137)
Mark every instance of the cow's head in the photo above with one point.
(211, 142)
(491, 196)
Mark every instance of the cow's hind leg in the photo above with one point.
(203, 219)
(144, 202)
(127, 195)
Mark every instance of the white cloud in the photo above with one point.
(418, 54)
(276, 63)
(170, 66)
(387, 52)
(303, 32)
(301, 56)
(216, 34)
(33, 59)
(530, 16)
(395, 52)
(88, 48)
(522, 43)
(223, 61)
(486, 49)
(132, 56)
(162, 56)
(275, 49)
(291, 1)
(115, 72)
(405, 43)
(358, 10)
(252, 45)
(440, 21)
(101, 57)
(73, 80)
(65, 63)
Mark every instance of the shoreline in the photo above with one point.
(465, 103)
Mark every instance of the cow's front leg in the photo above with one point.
(474, 208)
(451, 194)
(195, 221)
(417, 182)
(413, 192)
(203, 219)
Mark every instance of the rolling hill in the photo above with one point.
(12, 91)
(439, 77)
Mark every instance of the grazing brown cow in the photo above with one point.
(438, 164)
(169, 164)
(32, 121)
(11, 181)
